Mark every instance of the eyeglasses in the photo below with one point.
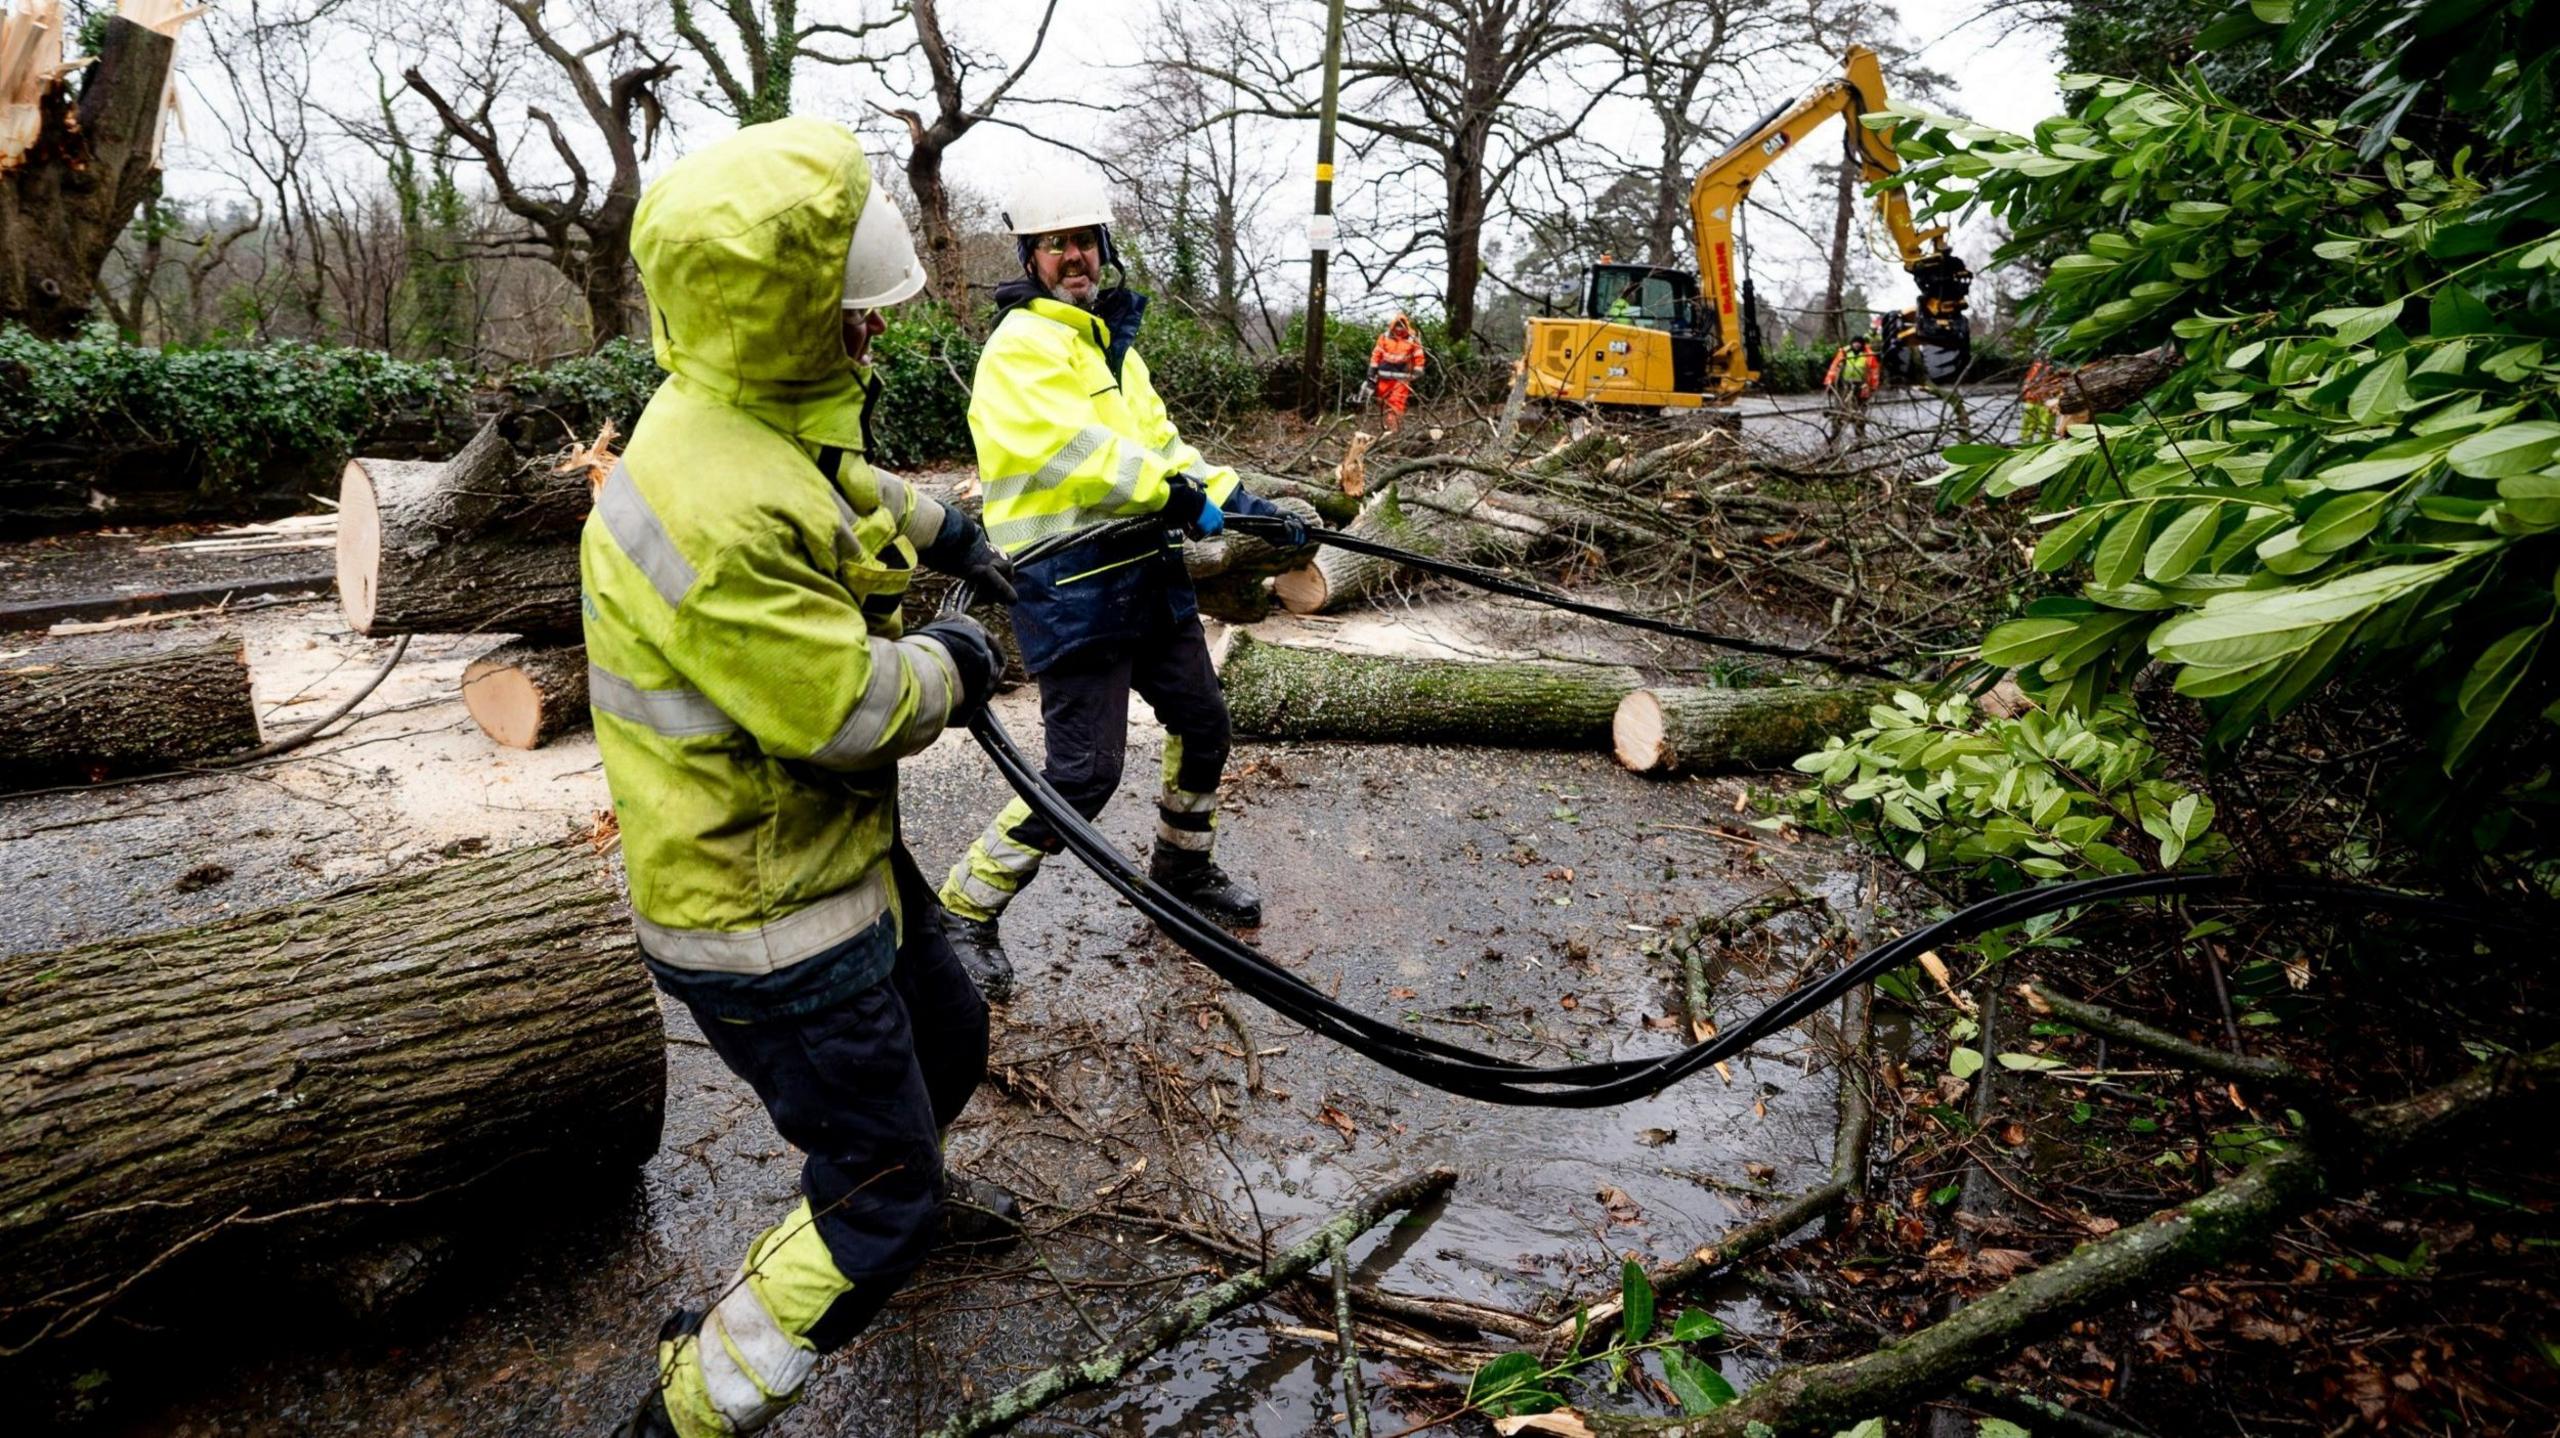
(1085, 240)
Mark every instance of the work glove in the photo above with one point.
(961, 550)
(973, 658)
(1189, 508)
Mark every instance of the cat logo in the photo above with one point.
(1774, 143)
(1617, 347)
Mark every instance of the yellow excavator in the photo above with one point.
(1644, 338)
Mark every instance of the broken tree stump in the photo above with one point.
(528, 693)
(315, 1073)
(88, 710)
(483, 542)
(71, 180)
(1285, 691)
(1667, 730)
(1430, 526)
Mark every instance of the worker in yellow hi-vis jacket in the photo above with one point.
(1071, 436)
(753, 691)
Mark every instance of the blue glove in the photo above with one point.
(1188, 507)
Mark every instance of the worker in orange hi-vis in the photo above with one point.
(1395, 362)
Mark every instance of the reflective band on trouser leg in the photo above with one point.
(995, 868)
(750, 1358)
(1185, 818)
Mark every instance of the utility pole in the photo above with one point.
(1320, 230)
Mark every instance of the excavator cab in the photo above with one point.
(1642, 337)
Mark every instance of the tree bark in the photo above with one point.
(484, 542)
(1171, 1325)
(1286, 692)
(1661, 731)
(310, 1072)
(63, 203)
(1340, 578)
(2106, 386)
(84, 712)
(527, 693)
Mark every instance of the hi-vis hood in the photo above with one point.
(741, 246)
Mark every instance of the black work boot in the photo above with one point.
(1196, 879)
(981, 953)
(978, 1215)
(650, 1420)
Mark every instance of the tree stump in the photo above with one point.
(85, 711)
(1285, 691)
(527, 693)
(1661, 731)
(315, 1073)
(482, 542)
(76, 183)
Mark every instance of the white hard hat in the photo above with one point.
(1060, 197)
(880, 267)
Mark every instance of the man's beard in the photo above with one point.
(1092, 293)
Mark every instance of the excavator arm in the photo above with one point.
(1932, 339)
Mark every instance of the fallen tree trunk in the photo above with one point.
(1232, 574)
(308, 1073)
(1666, 730)
(78, 712)
(528, 693)
(484, 542)
(2243, 1212)
(1171, 1325)
(1340, 578)
(1283, 691)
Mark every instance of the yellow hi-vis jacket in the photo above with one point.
(743, 571)
(1065, 444)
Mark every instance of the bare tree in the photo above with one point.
(948, 69)
(1673, 49)
(1194, 173)
(580, 223)
(771, 46)
(1447, 94)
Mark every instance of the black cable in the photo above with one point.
(1492, 1079)
(1272, 530)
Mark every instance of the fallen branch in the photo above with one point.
(1821, 1398)
(1354, 1402)
(1168, 1326)
(1288, 691)
(1755, 1237)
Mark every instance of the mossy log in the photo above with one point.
(486, 542)
(1284, 691)
(1429, 526)
(1170, 1325)
(527, 693)
(1667, 730)
(89, 710)
(328, 1071)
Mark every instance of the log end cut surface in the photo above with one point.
(1302, 590)
(359, 546)
(1637, 733)
(525, 695)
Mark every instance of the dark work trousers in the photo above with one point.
(865, 1087)
(1084, 712)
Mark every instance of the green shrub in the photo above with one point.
(2008, 801)
(239, 410)
(612, 383)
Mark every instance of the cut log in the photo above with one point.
(330, 1071)
(1340, 578)
(485, 541)
(527, 693)
(93, 708)
(1660, 731)
(2107, 386)
(1284, 691)
(1232, 573)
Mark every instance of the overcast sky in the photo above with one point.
(1090, 49)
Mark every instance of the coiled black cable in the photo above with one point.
(1467, 1073)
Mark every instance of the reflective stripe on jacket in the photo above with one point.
(751, 687)
(1065, 446)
